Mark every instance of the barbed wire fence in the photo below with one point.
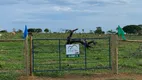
(12, 60)
(130, 54)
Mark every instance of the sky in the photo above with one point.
(58, 15)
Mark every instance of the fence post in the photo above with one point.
(30, 54)
(26, 56)
(114, 53)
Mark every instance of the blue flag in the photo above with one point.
(25, 32)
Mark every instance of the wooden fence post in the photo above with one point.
(30, 54)
(114, 53)
(26, 57)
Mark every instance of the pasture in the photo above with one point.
(12, 64)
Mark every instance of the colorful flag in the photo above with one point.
(121, 32)
(25, 32)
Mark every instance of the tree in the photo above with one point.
(3, 31)
(19, 31)
(67, 31)
(31, 30)
(140, 31)
(14, 30)
(82, 30)
(46, 30)
(111, 32)
(132, 29)
(140, 25)
(99, 31)
(38, 30)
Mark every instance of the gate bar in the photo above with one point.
(59, 57)
(85, 59)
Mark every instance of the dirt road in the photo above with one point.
(122, 76)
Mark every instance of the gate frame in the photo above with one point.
(113, 54)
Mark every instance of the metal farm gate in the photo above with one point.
(50, 55)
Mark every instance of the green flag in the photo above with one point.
(121, 32)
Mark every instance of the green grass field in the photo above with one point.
(11, 60)
(47, 56)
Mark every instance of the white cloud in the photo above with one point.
(81, 12)
(58, 8)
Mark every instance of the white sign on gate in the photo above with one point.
(72, 50)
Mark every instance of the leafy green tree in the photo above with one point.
(31, 30)
(140, 25)
(67, 31)
(132, 29)
(38, 30)
(82, 30)
(111, 32)
(99, 31)
(3, 31)
(140, 31)
(19, 31)
(46, 30)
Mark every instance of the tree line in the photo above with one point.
(133, 29)
(128, 29)
(34, 30)
(46, 30)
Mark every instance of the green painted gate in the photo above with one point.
(50, 55)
